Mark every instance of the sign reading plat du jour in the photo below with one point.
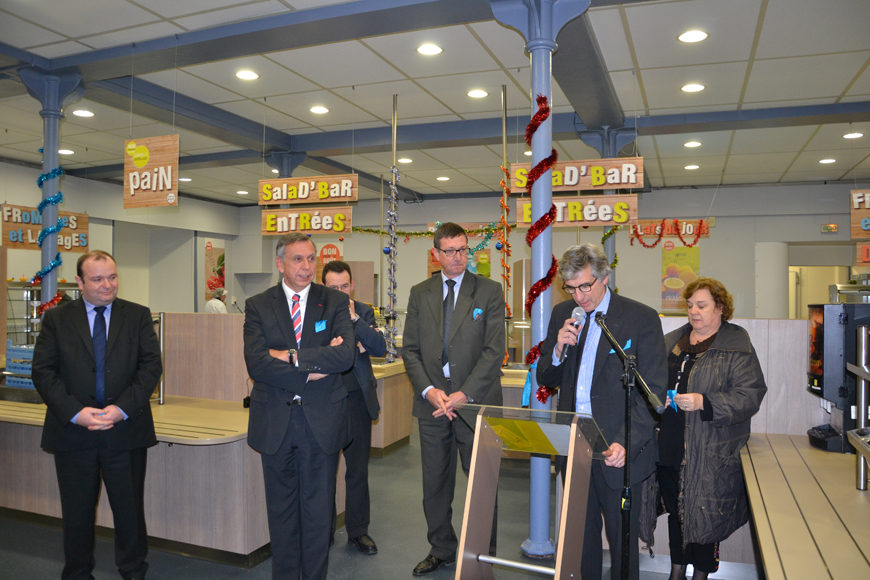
(21, 227)
(151, 172)
(315, 192)
(600, 174)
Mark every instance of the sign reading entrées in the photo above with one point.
(151, 172)
(328, 220)
(622, 173)
(586, 210)
(323, 189)
(21, 227)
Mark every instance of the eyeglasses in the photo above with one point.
(451, 252)
(342, 288)
(584, 288)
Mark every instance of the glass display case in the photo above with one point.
(22, 300)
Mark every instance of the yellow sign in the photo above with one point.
(151, 172)
(21, 227)
(322, 189)
(585, 210)
(621, 173)
(307, 220)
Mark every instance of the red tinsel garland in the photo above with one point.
(640, 239)
(544, 393)
(541, 168)
(697, 233)
(50, 304)
(537, 118)
(539, 226)
(541, 285)
(533, 354)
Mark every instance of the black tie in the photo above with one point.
(581, 341)
(100, 353)
(448, 314)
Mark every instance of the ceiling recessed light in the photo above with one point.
(692, 144)
(83, 113)
(853, 135)
(693, 88)
(405, 160)
(527, 153)
(443, 178)
(242, 192)
(183, 179)
(319, 110)
(477, 94)
(247, 75)
(693, 36)
(693, 166)
(275, 171)
(827, 161)
(429, 49)
(65, 151)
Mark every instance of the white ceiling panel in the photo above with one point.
(708, 165)
(506, 44)
(128, 35)
(100, 16)
(628, 92)
(804, 27)
(340, 110)
(365, 164)
(20, 154)
(90, 156)
(697, 180)
(654, 29)
(353, 126)
(60, 49)
(830, 137)
(342, 64)
(712, 143)
(861, 86)
(578, 150)
(800, 176)
(105, 118)
(234, 14)
(378, 100)
(422, 161)
(22, 34)
(772, 140)
(429, 178)
(809, 77)
(259, 113)
(9, 136)
(100, 140)
(760, 163)
(610, 34)
(743, 179)
(809, 160)
(453, 91)
(462, 52)
(191, 86)
(723, 82)
(173, 8)
(462, 157)
(274, 79)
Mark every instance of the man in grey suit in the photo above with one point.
(590, 381)
(298, 340)
(453, 348)
(362, 403)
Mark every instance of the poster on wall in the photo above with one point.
(21, 227)
(214, 269)
(680, 266)
(480, 263)
(151, 172)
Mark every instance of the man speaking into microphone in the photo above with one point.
(578, 361)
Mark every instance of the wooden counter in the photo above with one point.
(392, 430)
(810, 520)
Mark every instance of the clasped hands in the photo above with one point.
(99, 419)
(284, 355)
(445, 405)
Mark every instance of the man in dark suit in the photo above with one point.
(362, 403)
(590, 381)
(460, 363)
(96, 363)
(298, 339)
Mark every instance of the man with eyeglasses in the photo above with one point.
(453, 348)
(362, 405)
(589, 380)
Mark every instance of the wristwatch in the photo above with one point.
(354, 319)
(292, 356)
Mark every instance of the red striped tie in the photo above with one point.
(296, 313)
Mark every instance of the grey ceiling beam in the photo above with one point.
(315, 26)
(371, 182)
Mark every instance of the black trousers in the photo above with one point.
(300, 493)
(704, 557)
(79, 473)
(440, 439)
(357, 508)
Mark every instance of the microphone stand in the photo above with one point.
(629, 375)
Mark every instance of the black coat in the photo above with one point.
(376, 345)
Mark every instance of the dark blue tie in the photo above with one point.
(448, 314)
(100, 353)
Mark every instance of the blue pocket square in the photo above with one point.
(319, 326)
(626, 347)
(477, 313)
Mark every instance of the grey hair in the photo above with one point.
(218, 293)
(576, 258)
(289, 240)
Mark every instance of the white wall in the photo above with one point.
(171, 286)
(133, 258)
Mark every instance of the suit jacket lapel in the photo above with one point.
(435, 300)
(116, 321)
(282, 314)
(313, 313)
(614, 323)
(463, 302)
(80, 321)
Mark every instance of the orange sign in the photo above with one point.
(151, 172)
(685, 228)
(21, 227)
(308, 220)
(329, 253)
(621, 173)
(321, 189)
(585, 210)
(863, 253)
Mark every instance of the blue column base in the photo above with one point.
(539, 549)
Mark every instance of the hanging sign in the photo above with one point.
(307, 220)
(859, 202)
(320, 189)
(585, 210)
(620, 173)
(151, 172)
(686, 228)
(21, 227)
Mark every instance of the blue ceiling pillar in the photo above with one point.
(285, 161)
(55, 92)
(609, 142)
(540, 21)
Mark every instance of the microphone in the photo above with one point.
(578, 314)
